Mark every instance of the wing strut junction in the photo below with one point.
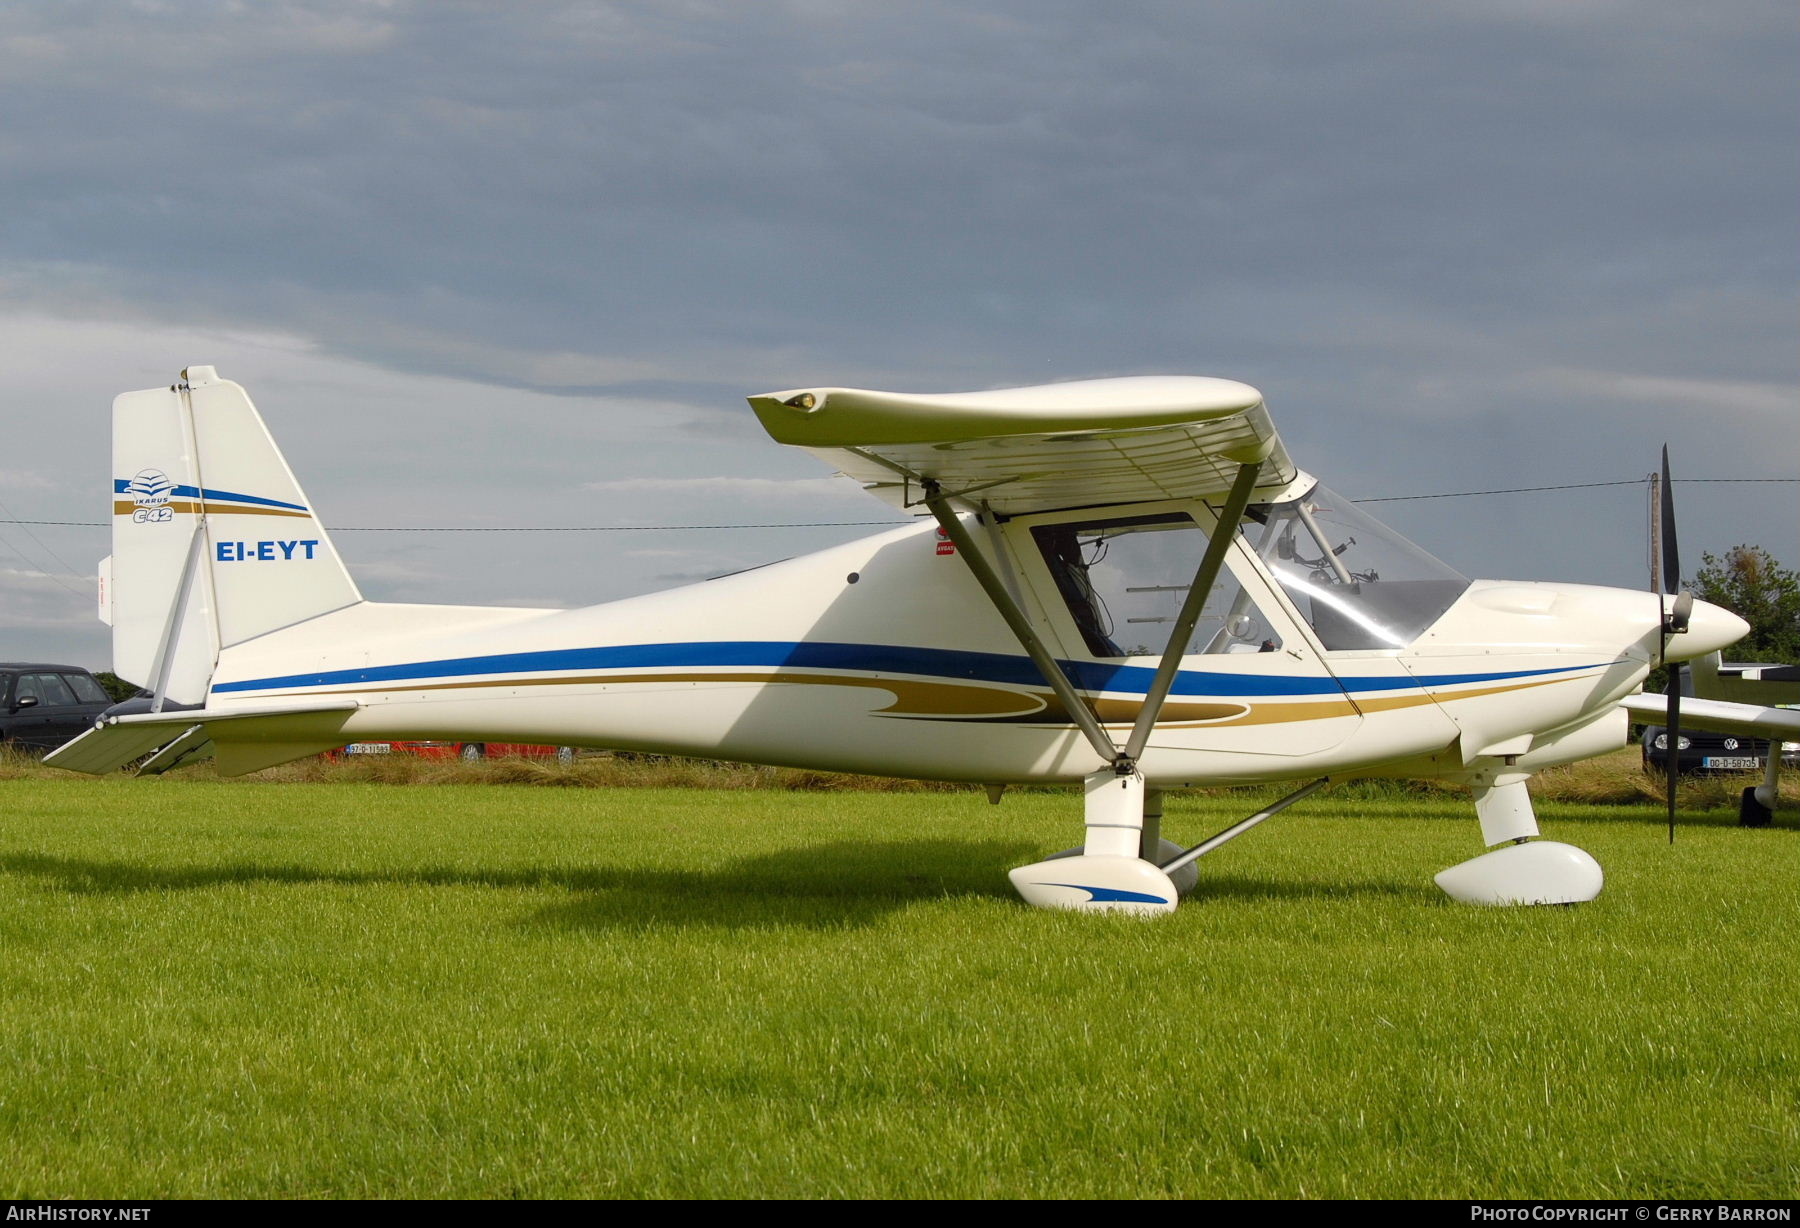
(1229, 519)
(1118, 802)
(1033, 643)
(1123, 758)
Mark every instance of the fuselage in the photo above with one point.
(884, 656)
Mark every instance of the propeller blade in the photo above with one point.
(1675, 621)
(1671, 554)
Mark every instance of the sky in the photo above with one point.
(518, 265)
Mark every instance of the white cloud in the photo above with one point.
(663, 554)
(528, 603)
(32, 599)
(1731, 396)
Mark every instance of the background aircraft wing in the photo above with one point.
(1038, 449)
(1757, 720)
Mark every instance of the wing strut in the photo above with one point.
(1229, 516)
(1123, 758)
(1033, 643)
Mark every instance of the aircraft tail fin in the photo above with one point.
(213, 542)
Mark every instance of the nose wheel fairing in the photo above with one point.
(1534, 872)
(1524, 870)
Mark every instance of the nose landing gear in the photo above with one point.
(1527, 870)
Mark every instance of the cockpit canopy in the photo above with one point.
(1359, 583)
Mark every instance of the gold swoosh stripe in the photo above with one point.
(1452, 696)
(922, 700)
(1175, 712)
(911, 697)
(1281, 713)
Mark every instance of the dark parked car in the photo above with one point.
(43, 706)
(1702, 750)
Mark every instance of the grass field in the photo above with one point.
(352, 989)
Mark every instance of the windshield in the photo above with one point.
(1359, 583)
(1125, 581)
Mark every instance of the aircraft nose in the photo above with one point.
(1710, 628)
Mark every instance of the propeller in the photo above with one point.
(1674, 622)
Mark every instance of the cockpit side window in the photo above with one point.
(1359, 583)
(1124, 581)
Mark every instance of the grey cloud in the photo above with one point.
(766, 172)
(476, 257)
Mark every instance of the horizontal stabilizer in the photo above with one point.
(235, 716)
(191, 747)
(107, 748)
(244, 738)
(240, 758)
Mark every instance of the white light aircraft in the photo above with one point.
(1124, 583)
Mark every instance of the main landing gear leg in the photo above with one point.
(1152, 846)
(1524, 870)
(1106, 874)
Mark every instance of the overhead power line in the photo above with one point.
(1526, 490)
(1512, 490)
(67, 571)
(844, 524)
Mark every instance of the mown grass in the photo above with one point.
(1616, 779)
(352, 989)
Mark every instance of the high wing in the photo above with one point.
(1016, 451)
(1022, 450)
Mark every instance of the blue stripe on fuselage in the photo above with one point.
(864, 658)
(122, 486)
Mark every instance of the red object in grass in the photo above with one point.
(456, 750)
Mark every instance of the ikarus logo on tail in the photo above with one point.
(151, 490)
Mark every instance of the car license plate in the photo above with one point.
(368, 748)
(1741, 762)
